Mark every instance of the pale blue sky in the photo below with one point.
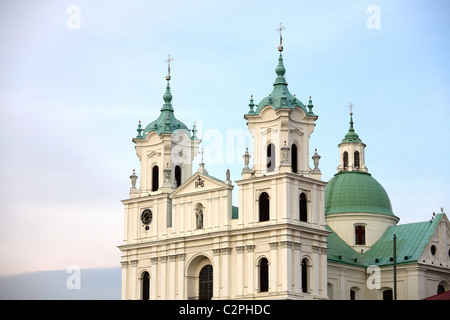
(70, 101)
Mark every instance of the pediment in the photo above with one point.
(439, 239)
(199, 183)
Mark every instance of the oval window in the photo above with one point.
(433, 250)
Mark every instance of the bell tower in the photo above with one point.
(166, 149)
(280, 194)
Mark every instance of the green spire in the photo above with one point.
(166, 122)
(280, 97)
(167, 97)
(351, 136)
(280, 70)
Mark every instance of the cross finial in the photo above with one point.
(201, 152)
(168, 61)
(351, 108)
(280, 30)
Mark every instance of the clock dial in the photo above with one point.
(146, 216)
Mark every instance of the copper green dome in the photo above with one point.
(280, 96)
(166, 122)
(356, 191)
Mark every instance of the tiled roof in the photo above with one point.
(234, 212)
(355, 191)
(411, 241)
(441, 296)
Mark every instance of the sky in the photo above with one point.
(77, 76)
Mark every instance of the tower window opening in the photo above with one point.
(264, 207)
(270, 157)
(303, 208)
(294, 155)
(178, 175)
(356, 156)
(155, 178)
(345, 159)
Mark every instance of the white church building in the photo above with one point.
(292, 236)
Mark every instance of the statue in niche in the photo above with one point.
(199, 217)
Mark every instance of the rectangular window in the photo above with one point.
(360, 235)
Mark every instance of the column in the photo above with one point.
(239, 271)
(225, 272)
(273, 267)
(285, 266)
(250, 267)
(134, 281)
(163, 279)
(297, 267)
(172, 277)
(216, 274)
(124, 265)
(154, 278)
(315, 271)
(179, 289)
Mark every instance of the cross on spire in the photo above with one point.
(202, 153)
(168, 61)
(280, 30)
(351, 116)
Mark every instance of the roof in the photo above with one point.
(356, 191)
(441, 296)
(412, 239)
(166, 122)
(280, 96)
(351, 136)
(234, 212)
(340, 251)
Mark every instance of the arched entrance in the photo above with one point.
(200, 278)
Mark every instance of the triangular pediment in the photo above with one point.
(439, 237)
(200, 183)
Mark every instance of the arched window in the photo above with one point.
(345, 159)
(356, 156)
(440, 289)
(294, 155)
(264, 207)
(303, 208)
(263, 275)
(270, 157)
(178, 175)
(205, 283)
(145, 286)
(305, 275)
(360, 235)
(352, 294)
(155, 178)
(387, 294)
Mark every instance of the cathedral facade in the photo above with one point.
(292, 235)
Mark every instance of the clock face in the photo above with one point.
(146, 216)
